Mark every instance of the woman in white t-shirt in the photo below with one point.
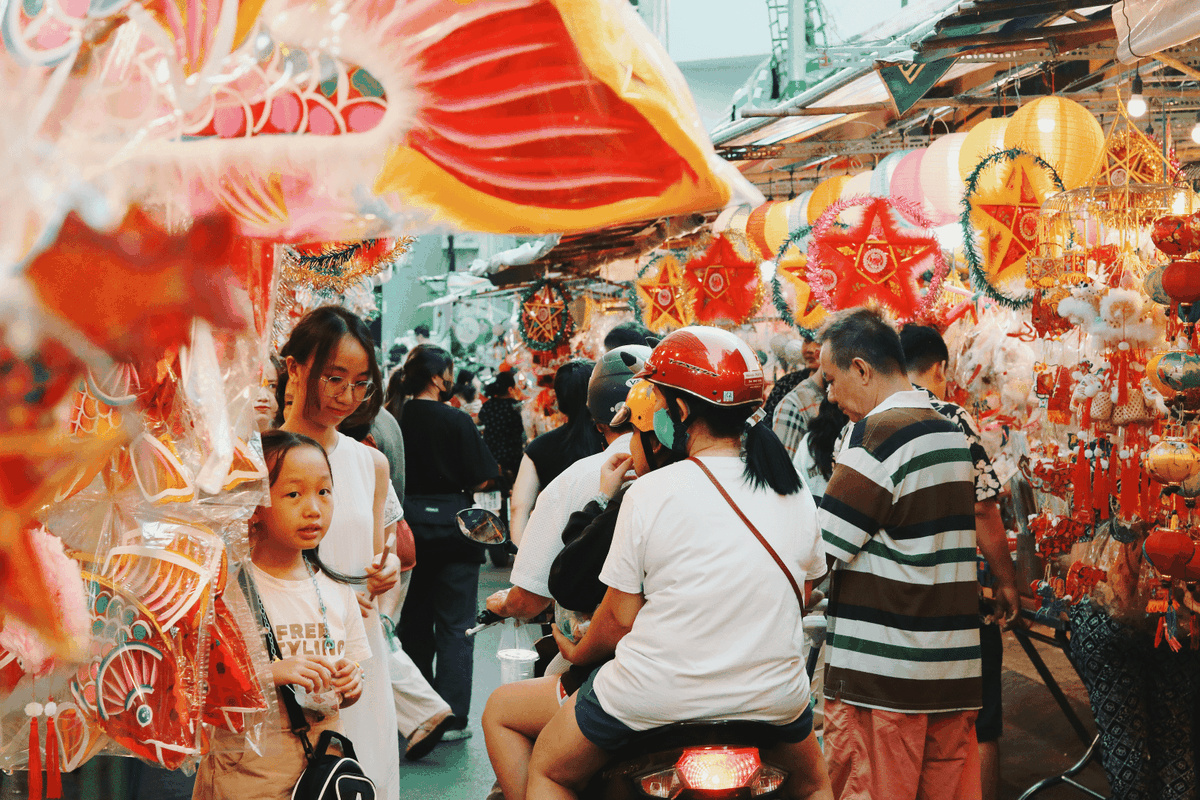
(693, 615)
(314, 618)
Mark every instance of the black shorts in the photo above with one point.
(609, 733)
(989, 725)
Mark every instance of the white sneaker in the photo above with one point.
(457, 735)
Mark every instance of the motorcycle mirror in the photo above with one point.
(482, 526)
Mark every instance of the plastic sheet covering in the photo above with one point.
(1146, 27)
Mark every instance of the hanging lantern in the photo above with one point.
(1062, 132)
(858, 186)
(940, 183)
(724, 283)
(660, 291)
(1153, 285)
(1176, 234)
(766, 227)
(1152, 375)
(1172, 461)
(733, 219)
(826, 194)
(984, 139)
(906, 179)
(1179, 370)
(797, 213)
(1169, 551)
(1181, 281)
(881, 176)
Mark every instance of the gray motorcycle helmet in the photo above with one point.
(611, 379)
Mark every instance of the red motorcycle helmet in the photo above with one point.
(709, 363)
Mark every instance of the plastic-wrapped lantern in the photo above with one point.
(1153, 284)
(1169, 551)
(1062, 132)
(1174, 234)
(1181, 281)
(1172, 461)
(940, 183)
(1155, 381)
(1180, 370)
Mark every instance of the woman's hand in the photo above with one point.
(615, 473)
(347, 680)
(366, 604)
(384, 577)
(314, 673)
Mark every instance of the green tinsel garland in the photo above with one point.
(568, 326)
(777, 285)
(979, 278)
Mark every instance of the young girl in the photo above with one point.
(314, 617)
(334, 378)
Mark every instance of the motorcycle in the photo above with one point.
(694, 760)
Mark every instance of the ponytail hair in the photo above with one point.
(423, 363)
(767, 461)
(276, 445)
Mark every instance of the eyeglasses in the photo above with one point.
(335, 386)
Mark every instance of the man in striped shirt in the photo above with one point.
(902, 675)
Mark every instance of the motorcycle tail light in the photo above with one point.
(768, 780)
(714, 768)
(662, 784)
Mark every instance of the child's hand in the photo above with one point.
(365, 603)
(314, 673)
(383, 577)
(347, 680)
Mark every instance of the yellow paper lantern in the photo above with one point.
(984, 139)
(1062, 132)
(777, 227)
(826, 193)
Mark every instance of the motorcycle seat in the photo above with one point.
(698, 733)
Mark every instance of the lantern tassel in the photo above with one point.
(1129, 488)
(35, 760)
(1082, 486)
(53, 768)
(1122, 378)
(1172, 626)
(1100, 492)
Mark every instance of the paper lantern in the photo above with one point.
(734, 219)
(1180, 370)
(1062, 132)
(881, 176)
(1176, 234)
(858, 186)
(1153, 286)
(1155, 381)
(906, 179)
(767, 227)
(939, 178)
(798, 211)
(984, 139)
(1172, 461)
(1181, 281)
(828, 192)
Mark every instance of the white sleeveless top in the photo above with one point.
(349, 548)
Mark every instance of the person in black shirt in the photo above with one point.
(503, 430)
(446, 461)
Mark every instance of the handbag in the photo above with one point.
(787, 572)
(327, 776)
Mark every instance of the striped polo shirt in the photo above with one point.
(899, 514)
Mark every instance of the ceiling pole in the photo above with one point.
(798, 45)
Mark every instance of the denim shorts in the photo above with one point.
(609, 733)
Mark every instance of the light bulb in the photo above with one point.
(1046, 124)
(1137, 104)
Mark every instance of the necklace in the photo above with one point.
(330, 647)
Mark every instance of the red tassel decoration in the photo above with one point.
(1114, 477)
(1129, 487)
(1122, 377)
(35, 753)
(1086, 421)
(53, 768)
(1100, 492)
(1082, 481)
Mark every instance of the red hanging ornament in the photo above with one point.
(878, 259)
(724, 282)
(1082, 481)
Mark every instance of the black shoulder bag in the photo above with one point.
(328, 776)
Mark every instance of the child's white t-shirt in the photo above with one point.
(295, 614)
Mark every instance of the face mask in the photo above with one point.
(445, 393)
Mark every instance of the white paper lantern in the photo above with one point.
(798, 211)
(941, 184)
(881, 176)
(858, 186)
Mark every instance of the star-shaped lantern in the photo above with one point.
(874, 259)
(545, 321)
(792, 266)
(1005, 213)
(663, 295)
(724, 281)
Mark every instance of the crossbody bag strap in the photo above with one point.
(787, 572)
(299, 723)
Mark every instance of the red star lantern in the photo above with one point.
(663, 295)
(724, 282)
(875, 259)
(1005, 214)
